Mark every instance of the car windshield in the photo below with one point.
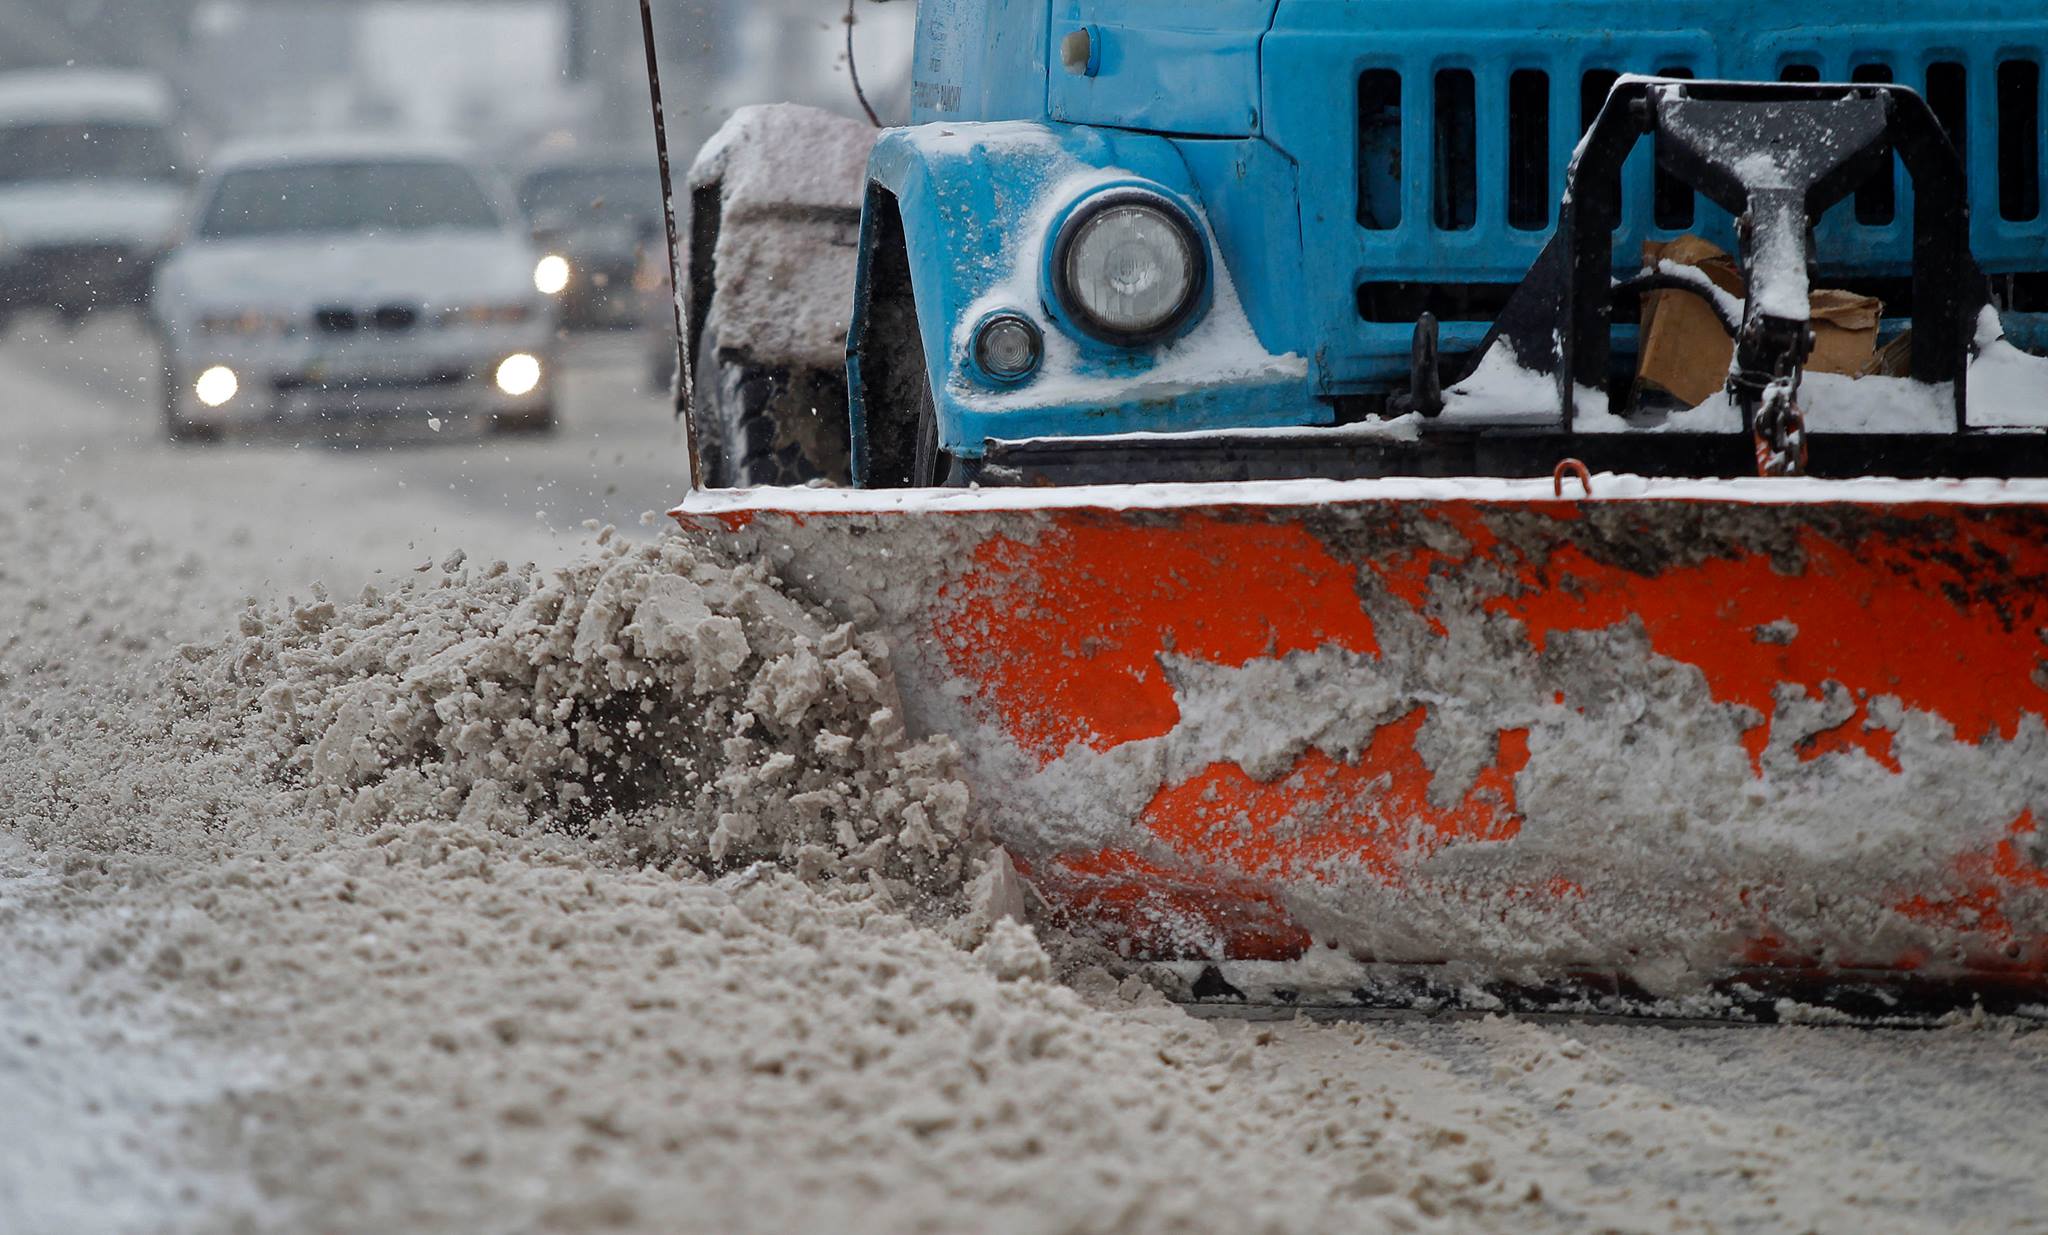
(80, 150)
(574, 192)
(348, 197)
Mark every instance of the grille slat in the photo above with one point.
(1459, 169)
(1877, 200)
(2019, 141)
(1455, 161)
(1948, 94)
(1379, 150)
(1529, 194)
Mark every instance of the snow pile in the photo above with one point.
(2008, 388)
(1502, 389)
(434, 942)
(678, 709)
(249, 982)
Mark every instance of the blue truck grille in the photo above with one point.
(1478, 154)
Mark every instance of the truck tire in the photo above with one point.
(763, 425)
(933, 466)
(902, 428)
(902, 409)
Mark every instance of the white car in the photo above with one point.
(323, 280)
(92, 186)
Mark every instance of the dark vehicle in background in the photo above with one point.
(92, 186)
(655, 292)
(591, 217)
(329, 279)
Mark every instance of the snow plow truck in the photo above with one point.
(1480, 504)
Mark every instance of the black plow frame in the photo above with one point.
(1776, 155)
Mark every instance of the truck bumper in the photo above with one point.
(1362, 452)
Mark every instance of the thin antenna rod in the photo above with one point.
(668, 214)
(853, 70)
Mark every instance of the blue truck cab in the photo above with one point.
(1129, 239)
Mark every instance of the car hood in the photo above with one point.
(138, 214)
(429, 268)
(602, 241)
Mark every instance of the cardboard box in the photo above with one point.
(1685, 353)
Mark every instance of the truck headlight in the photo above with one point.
(1129, 268)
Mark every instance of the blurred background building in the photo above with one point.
(512, 75)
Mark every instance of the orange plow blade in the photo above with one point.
(1683, 747)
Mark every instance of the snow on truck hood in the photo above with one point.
(139, 214)
(432, 267)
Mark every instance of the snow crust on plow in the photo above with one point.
(1606, 486)
(1676, 734)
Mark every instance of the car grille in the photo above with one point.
(419, 381)
(383, 319)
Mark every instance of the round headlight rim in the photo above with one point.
(1076, 222)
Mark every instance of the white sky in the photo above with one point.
(432, 57)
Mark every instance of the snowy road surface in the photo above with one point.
(258, 974)
(88, 403)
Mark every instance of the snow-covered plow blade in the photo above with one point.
(1681, 747)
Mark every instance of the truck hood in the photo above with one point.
(1163, 66)
(305, 272)
(138, 214)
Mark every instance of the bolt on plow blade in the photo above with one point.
(1689, 748)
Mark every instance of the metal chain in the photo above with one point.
(1780, 432)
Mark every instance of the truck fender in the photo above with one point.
(955, 221)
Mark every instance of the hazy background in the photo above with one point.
(81, 397)
(506, 74)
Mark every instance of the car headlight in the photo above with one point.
(217, 387)
(551, 274)
(1129, 267)
(251, 323)
(519, 374)
(485, 315)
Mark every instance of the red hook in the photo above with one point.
(1576, 468)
